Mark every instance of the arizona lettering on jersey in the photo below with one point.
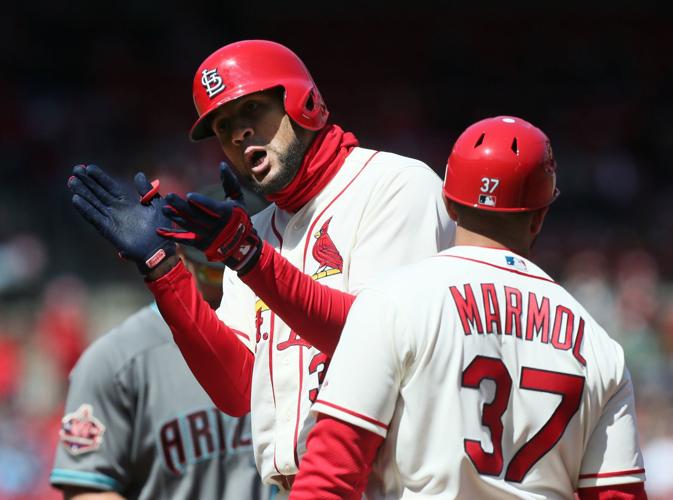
(199, 435)
(346, 236)
(487, 378)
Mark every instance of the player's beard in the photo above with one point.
(289, 163)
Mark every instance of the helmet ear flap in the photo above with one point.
(312, 104)
(305, 105)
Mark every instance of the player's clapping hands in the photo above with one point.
(129, 221)
(221, 229)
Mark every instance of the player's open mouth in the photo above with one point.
(257, 160)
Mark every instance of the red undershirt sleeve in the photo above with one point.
(220, 362)
(337, 462)
(315, 311)
(629, 491)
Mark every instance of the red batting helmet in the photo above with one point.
(503, 164)
(241, 68)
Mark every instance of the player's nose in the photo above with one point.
(241, 133)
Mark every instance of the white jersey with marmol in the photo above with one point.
(487, 379)
(380, 211)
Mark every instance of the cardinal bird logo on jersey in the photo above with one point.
(326, 254)
(81, 431)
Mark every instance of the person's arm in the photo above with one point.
(133, 223)
(94, 440)
(356, 402)
(337, 462)
(630, 491)
(408, 198)
(217, 355)
(612, 459)
(72, 493)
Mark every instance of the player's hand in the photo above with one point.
(221, 229)
(126, 220)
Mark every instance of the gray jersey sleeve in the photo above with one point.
(96, 429)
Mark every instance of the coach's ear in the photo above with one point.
(537, 220)
(451, 208)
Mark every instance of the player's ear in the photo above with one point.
(537, 220)
(450, 207)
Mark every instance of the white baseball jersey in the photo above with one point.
(487, 379)
(379, 211)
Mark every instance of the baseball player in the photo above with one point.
(138, 425)
(335, 223)
(483, 375)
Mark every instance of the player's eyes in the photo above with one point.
(221, 126)
(251, 106)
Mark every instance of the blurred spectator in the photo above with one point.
(10, 369)
(61, 322)
(22, 260)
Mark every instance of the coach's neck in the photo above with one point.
(515, 231)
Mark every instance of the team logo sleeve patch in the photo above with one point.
(81, 432)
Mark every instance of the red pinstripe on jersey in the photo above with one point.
(354, 413)
(613, 474)
(500, 267)
(309, 235)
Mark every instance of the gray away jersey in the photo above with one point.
(137, 422)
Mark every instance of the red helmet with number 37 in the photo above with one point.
(249, 66)
(502, 164)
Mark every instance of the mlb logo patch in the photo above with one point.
(487, 200)
(516, 262)
(81, 432)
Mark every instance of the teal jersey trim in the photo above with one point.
(79, 478)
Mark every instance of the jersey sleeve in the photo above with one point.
(95, 434)
(373, 341)
(337, 462)
(405, 221)
(612, 455)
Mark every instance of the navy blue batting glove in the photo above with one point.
(222, 230)
(127, 221)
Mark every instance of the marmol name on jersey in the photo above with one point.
(527, 317)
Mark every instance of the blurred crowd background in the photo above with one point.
(110, 83)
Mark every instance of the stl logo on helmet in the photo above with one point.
(212, 82)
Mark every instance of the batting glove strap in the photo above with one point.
(154, 258)
(237, 244)
(246, 257)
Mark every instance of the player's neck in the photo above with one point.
(467, 237)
